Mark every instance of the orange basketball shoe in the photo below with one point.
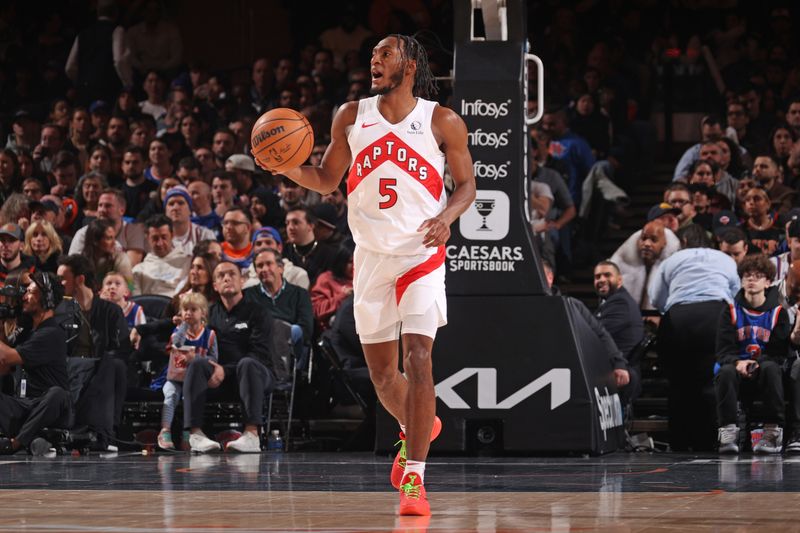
(413, 500)
(399, 465)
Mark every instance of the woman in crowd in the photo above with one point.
(15, 210)
(100, 161)
(199, 279)
(731, 158)
(44, 245)
(708, 173)
(781, 141)
(102, 251)
(87, 194)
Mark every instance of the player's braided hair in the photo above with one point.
(424, 82)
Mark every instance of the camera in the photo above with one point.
(12, 308)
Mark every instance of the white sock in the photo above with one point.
(417, 467)
(403, 428)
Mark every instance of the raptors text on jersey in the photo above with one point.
(395, 182)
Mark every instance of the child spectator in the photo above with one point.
(192, 338)
(752, 343)
(115, 289)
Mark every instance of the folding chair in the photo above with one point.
(287, 366)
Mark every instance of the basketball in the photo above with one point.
(282, 139)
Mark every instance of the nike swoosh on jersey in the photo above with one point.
(365, 125)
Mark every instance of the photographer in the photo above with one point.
(42, 397)
(98, 331)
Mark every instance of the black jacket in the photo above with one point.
(244, 331)
(110, 333)
(620, 316)
(615, 358)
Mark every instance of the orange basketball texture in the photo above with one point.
(281, 139)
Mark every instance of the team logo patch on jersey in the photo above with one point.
(416, 128)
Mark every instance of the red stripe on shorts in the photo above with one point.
(422, 269)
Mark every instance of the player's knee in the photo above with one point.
(417, 362)
(383, 376)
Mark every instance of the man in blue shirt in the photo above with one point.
(575, 153)
(690, 289)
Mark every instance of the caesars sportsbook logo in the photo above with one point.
(487, 219)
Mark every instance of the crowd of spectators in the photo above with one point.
(126, 170)
(712, 268)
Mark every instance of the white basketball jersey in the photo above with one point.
(395, 182)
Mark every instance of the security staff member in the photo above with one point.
(42, 397)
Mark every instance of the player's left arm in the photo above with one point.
(451, 132)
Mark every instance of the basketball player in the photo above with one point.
(395, 144)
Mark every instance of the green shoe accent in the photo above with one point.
(411, 490)
(402, 461)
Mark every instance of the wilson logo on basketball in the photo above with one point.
(263, 135)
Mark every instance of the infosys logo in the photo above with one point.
(486, 138)
(490, 171)
(479, 108)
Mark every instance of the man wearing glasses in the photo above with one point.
(678, 196)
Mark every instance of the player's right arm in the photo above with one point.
(326, 177)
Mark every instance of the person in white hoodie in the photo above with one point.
(166, 267)
(640, 255)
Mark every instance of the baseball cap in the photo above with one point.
(47, 205)
(178, 190)
(723, 221)
(661, 209)
(20, 115)
(12, 230)
(241, 162)
(267, 230)
(326, 215)
(99, 106)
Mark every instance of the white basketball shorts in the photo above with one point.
(397, 294)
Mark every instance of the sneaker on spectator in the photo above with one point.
(794, 443)
(165, 440)
(728, 439)
(6, 448)
(202, 444)
(185, 447)
(247, 443)
(771, 441)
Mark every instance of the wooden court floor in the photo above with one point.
(350, 492)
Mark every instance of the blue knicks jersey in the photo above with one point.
(202, 344)
(753, 330)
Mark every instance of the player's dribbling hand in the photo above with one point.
(437, 232)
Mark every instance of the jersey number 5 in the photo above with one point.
(386, 187)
